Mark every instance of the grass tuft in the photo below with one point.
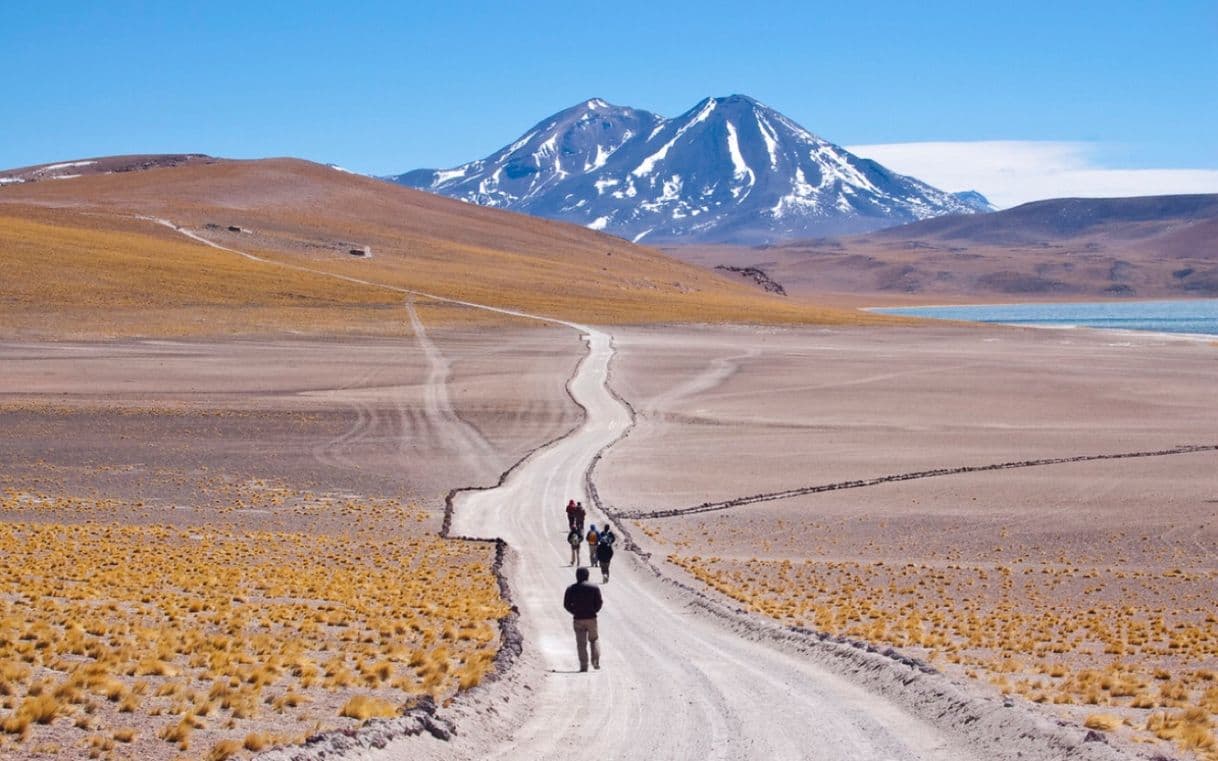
(364, 707)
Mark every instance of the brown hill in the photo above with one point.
(86, 256)
(100, 165)
(1157, 246)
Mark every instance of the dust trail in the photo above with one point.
(334, 452)
(707, 507)
(716, 372)
(204, 241)
(461, 437)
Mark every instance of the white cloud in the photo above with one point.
(1011, 172)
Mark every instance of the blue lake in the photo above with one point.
(1196, 316)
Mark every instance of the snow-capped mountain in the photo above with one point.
(976, 200)
(728, 170)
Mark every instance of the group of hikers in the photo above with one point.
(600, 541)
(583, 600)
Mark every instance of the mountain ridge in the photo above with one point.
(730, 169)
(1063, 248)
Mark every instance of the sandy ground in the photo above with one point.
(724, 413)
(1121, 544)
(356, 415)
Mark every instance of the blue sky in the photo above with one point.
(386, 87)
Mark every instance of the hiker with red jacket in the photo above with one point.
(583, 602)
(571, 514)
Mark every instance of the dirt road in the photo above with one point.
(675, 683)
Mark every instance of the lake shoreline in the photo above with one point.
(1193, 319)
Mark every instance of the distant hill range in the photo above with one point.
(118, 246)
(1155, 246)
(728, 170)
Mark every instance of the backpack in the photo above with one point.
(593, 537)
(608, 537)
(573, 538)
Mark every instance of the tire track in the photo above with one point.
(437, 407)
(458, 436)
(708, 507)
(333, 453)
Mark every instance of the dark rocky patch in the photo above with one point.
(757, 275)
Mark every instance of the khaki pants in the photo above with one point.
(585, 632)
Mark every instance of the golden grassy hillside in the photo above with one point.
(79, 258)
(71, 275)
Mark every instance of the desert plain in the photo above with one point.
(295, 471)
(270, 478)
(1089, 582)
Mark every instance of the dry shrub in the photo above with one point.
(364, 707)
(1190, 729)
(224, 749)
(257, 741)
(177, 732)
(289, 700)
(1104, 722)
(39, 709)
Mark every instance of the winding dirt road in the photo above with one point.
(675, 682)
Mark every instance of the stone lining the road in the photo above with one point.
(707, 507)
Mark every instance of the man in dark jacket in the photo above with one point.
(583, 602)
(604, 554)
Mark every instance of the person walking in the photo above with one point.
(583, 602)
(593, 538)
(575, 540)
(604, 553)
(571, 514)
(579, 517)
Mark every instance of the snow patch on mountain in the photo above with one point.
(741, 169)
(65, 165)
